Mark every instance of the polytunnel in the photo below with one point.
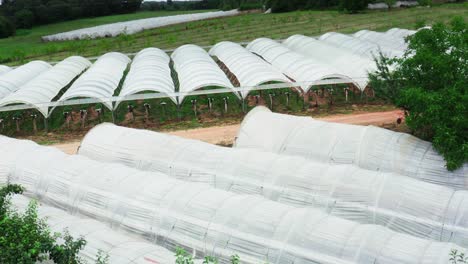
(351, 65)
(100, 80)
(346, 191)
(400, 32)
(40, 91)
(368, 147)
(134, 26)
(120, 247)
(207, 220)
(196, 69)
(4, 69)
(357, 46)
(305, 71)
(382, 39)
(149, 71)
(249, 69)
(14, 79)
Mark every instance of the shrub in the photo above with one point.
(429, 83)
(353, 6)
(24, 238)
(6, 27)
(24, 18)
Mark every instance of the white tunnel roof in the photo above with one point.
(196, 69)
(41, 90)
(249, 69)
(100, 80)
(356, 67)
(400, 32)
(347, 191)
(149, 71)
(296, 66)
(4, 69)
(206, 220)
(357, 46)
(121, 247)
(14, 79)
(368, 147)
(382, 39)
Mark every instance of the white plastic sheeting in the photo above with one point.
(135, 26)
(382, 39)
(360, 47)
(149, 71)
(196, 69)
(400, 32)
(349, 64)
(208, 220)
(100, 80)
(41, 90)
(301, 69)
(121, 247)
(4, 69)
(249, 69)
(14, 79)
(400, 203)
(368, 147)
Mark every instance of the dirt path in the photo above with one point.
(226, 134)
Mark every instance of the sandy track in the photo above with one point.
(227, 134)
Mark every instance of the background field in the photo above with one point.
(27, 45)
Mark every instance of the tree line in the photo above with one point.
(16, 14)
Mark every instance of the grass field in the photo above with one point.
(28, 46)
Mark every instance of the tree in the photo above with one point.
(6, 27)
(430, 84)
(390, 3)
(24, 18)
(353, 6)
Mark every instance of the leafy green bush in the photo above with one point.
(7, 28)
(24, 238)
(353, 6)
(430, 84)
(425, 2)
(458, 258)
(24, 18)
(182, 257)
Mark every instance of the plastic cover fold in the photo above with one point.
(208, 220)
(249, 69)
(305, 71)
(41, 90)
(100, 80)
(398, 202)
(196, 69)
(12, 80)
(149, 71)
(368, 147)
(120, 247)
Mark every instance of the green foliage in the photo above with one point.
(353, 6)
(235, 259)
(291, 5)
(425, 2)
(28, 13)
(7, 28)
(24, 238)
(429, 83)
(102, 258)
(182, 257)
(24, 18)
(458, 258)
(389, 3)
